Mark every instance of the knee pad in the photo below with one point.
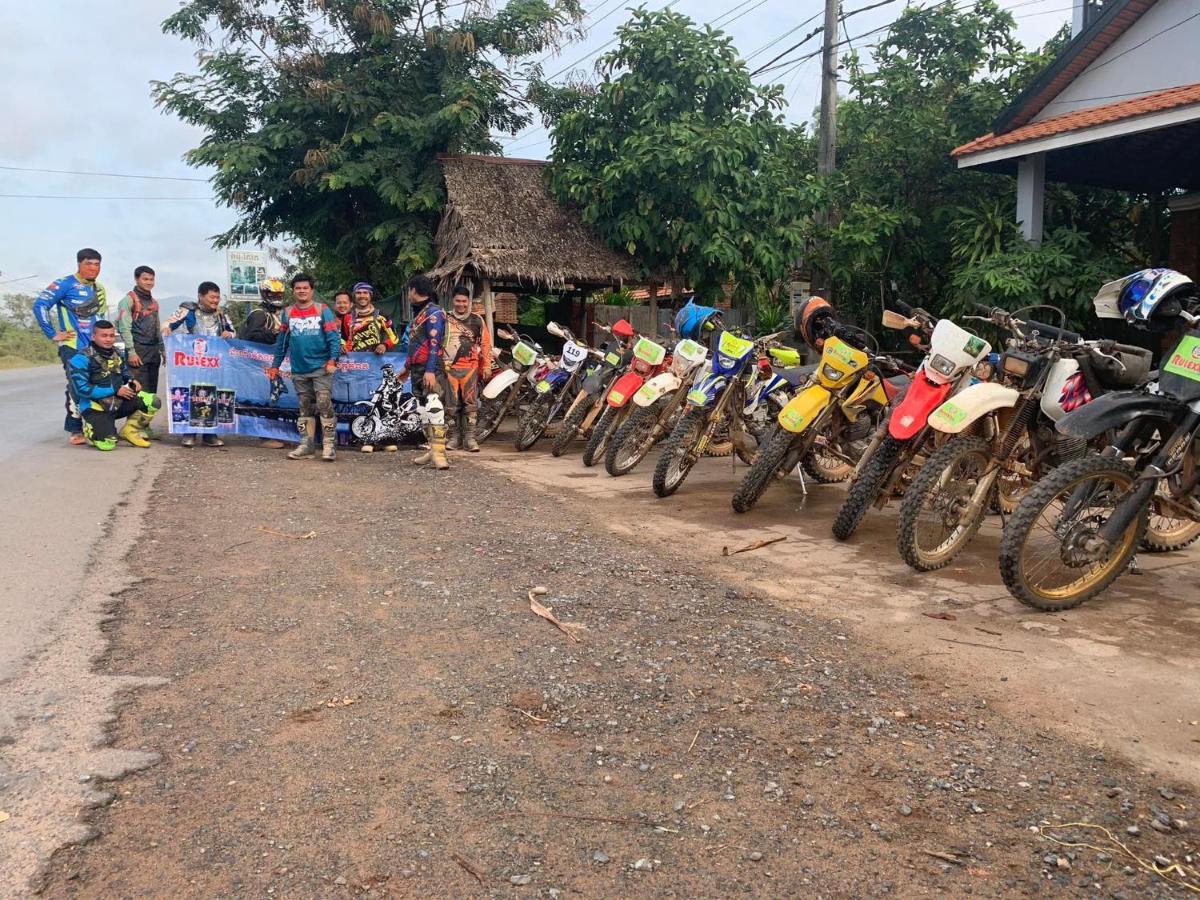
(151, 402)
(432, 411)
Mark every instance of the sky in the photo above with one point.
(77, 79)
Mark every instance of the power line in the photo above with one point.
(101, 174)
(769, 44)
(1146, 41)
(608, 43)
(816, 31)
(15, 280)
(78, 197)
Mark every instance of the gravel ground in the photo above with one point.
(376, 711)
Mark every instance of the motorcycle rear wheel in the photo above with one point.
(675, 461)
(571, 424)
(1039, 518)
(865, 489)
(533, 423)
(1165, 532)
(932, 530)
(631, 443)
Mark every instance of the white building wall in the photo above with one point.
(1169, 35)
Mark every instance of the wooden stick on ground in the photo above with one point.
(757, 545)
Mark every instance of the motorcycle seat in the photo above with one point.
(795, 375)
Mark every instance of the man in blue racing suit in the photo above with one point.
(66, 311)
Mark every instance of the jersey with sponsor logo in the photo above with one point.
(309, 337)
(366, 331)
(72, 305)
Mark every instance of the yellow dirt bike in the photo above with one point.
(842, 403)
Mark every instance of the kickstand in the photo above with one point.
(803, 483)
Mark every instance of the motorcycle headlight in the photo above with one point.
(941, 365)
(829, 372)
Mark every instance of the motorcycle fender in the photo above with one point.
(910, 416)
(704, 392)
(802, 409)
(656, 387)
(624, 388)
(967, 407)
(1115, 410)
(500, 383)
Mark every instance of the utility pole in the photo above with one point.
(827, 128)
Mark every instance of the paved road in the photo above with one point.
(56, 500)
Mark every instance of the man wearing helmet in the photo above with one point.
(368, 330)
(262, 327)
(468, 362)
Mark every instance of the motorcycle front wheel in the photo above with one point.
(773, 456)
(571, 424)
(677, 457)
(598, 442)
(491, 413)
(865, 489)
(631, 443)
(1045, 558)
(361, 428)
(936, 520)
(533, 423)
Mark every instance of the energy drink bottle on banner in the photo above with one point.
(203, 413)
(180, 405)
(225, 399)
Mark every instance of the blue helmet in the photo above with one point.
(690, 320)
(1145, 292)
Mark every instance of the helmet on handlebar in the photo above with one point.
(691, 320)
(622, 329)
(812, 321)
(1154, 296)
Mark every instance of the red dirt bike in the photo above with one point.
(649, 359)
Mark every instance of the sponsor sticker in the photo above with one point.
(1185, 359)
(543, 387)
(974, 346)
(950, 414)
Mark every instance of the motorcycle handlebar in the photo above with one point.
(903, 308)
(1005, 320)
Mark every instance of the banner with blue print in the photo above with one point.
(219, 386)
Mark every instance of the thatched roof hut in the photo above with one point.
(501, 225)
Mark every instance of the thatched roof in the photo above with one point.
(501, 223)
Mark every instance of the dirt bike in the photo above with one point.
(1079, 527)
(903, 442)
(846, 393)
(1044, 373)
(600, 373)
(556, 386)
(649, 359)
(388, 416)
(715, 406)
(512, 388)
(655, 408)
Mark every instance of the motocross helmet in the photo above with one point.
(271, 291)
(691, 320)
(1153, 297)
(387, 370)
(812, 321)
(622, 329)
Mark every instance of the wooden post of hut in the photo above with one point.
(653, 309)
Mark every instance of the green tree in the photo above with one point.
(679, 159)
(324, 118)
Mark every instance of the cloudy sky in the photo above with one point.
(77, 98)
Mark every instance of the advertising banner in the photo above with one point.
(218, 386)
(247, 270)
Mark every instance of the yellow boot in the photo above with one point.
(132, 431)
(437, 447)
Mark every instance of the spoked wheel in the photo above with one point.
(776, 457)
(1168, 530)
(721, 445)
(866, 488)
(825, 466)
(676, 460)
(571, 425)
(936, 516)
(361, 428)
(1011, 485)
(632, 441)
(597, 444)
(534, 422)
(491, 414)
(1050, 558)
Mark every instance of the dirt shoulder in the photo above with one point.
(376, 710)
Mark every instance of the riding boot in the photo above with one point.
(437, 446)
(328, 438)
(132, 431)
(427, 456)
(455, 442)
(304, 450)
(470, 444)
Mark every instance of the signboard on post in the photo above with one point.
(247, 269)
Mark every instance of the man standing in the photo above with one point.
(139, 327)
(262, 327)
(106, 392)
(67, 311)
(426, 337)
(468, 364)
(369, 331)
(204, 317)
(310, 338)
